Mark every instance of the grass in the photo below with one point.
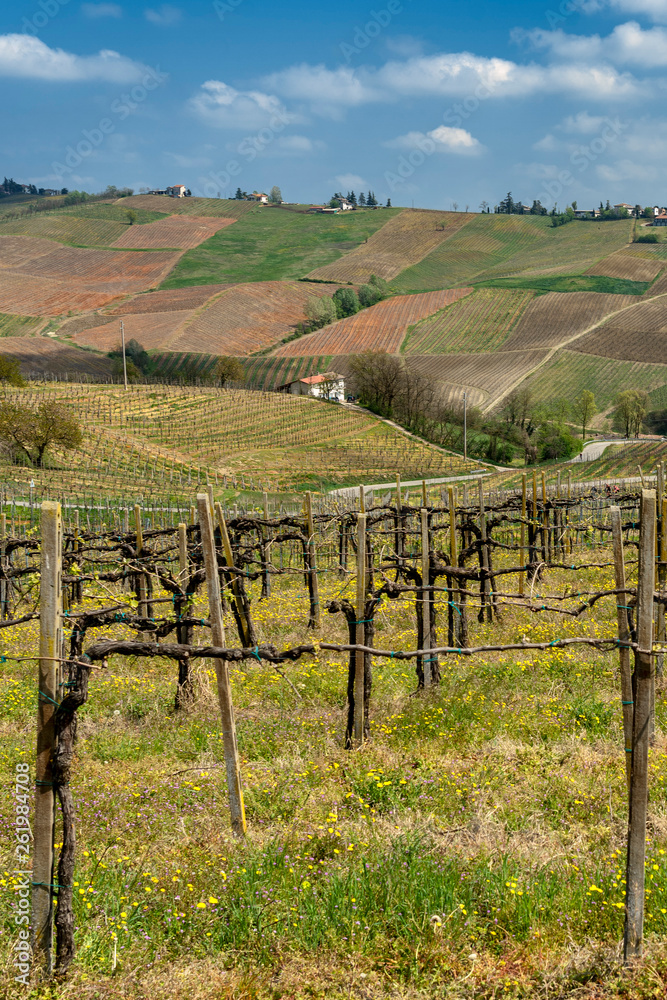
(12, 325)
(570, 283)
(270, 245)
(493, 246)
(480, 322)
(473, 849)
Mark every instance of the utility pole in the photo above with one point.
(122, 340)
(465, 425)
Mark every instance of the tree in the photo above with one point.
(131, 216)
(229, 369)
(10, 371)
(584, 410)
(32, 432)
(321, 311)
(631, 408)
(483, 206)
(368, 296)
(388, 205)
(362, 199)
(239, 194)
(377, 379)
(130, 369)
(346, 302)
(275, 195)
(380, 284)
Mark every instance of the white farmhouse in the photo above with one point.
(327, 385)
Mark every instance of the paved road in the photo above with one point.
(595, 449)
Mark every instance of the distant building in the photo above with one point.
(630, 209)
(177, 191)
(327, 385)
(346, 205)
(258, 196)
(158, 191)
(660, 220)
(582, 213)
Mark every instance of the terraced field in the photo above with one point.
(380, 328)
(273, 245)
(553, 318)
(248, 318)
(19, 326)
(569, 372)
(229, 208)
(480, 322)
(180, 231)
(629, 266)
(403, 241)
(494, 246)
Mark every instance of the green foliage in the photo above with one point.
(31, 432)
(631, 409)
(274, 246)
(557, 444)
(320, 311)
(647, 238)
(346, 302)
(570, 283)
(229, 370)
(131, 216)
(10, 371)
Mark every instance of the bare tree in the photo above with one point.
(33, 432)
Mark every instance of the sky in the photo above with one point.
(436, 105)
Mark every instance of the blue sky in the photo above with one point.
(436, 104)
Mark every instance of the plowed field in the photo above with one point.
(380, 328)
(41, 355)
(402, 242)
(18, 250)
(150, 329)
(128, 272)
(491, 374)
(623, 265)
(67, 229)
(638, 334)
(164, 300)
(21, 293)
(246, 318)
(181, 231)
(553, 318)
(660, 287)
(480, 322)
(229, 208)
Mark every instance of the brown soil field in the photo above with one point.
(150, 329)
(128, 271)
(380, 328)
(623, 265)
(403, 241)
(18, 250)
(660, 287)
(491, 374)
(639, 334)
(181, 231)
(27, 295)
(552, 318)
(228, 208)
(247, 318)
(168, 299)
(87, 321)
(66, 229)
(41, 355)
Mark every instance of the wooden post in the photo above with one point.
(424, 494)
(644, 681)
(50, 650)
(4, 584)
(522, 550)
(182, 553)
(661, 610)
(231, 752)
(360, 659)
(266, 551)
(313, 586)
(426, 598)
(141, 579)
(229, 559)
(623, 639)
(485, 589)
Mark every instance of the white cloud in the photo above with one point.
(405, 46)
(440, 140)
(295, 145)
(164, 17)
(28, 57)
(326, 90)
(95, 10)
(656, 10)
(351, 181)
(187, 162)
(222, 106)
(627, 44)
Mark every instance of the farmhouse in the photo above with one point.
(258, 196)
(327, 385)
(630, 209)
(660, 220)
(177, 191)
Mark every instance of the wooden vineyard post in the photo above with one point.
(182, 553)
(661, 610)
(313, 585)
(141, 580)
(231, 752)
(4, 582)
(485, 595)
(266, 550)
(623, 639)
(50, 648)
(246, 629)
(426, 597)
(522, 550)
(453, 623)
(360, 658)
(644, 682)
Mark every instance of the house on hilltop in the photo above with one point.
(259, 196)
(327, 385)
(177, 191)
(660, 220)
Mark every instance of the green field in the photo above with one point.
(569, 373)
(492, 246)
(270, 245)
(481, 322)
(570, 283)
(18, 326)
